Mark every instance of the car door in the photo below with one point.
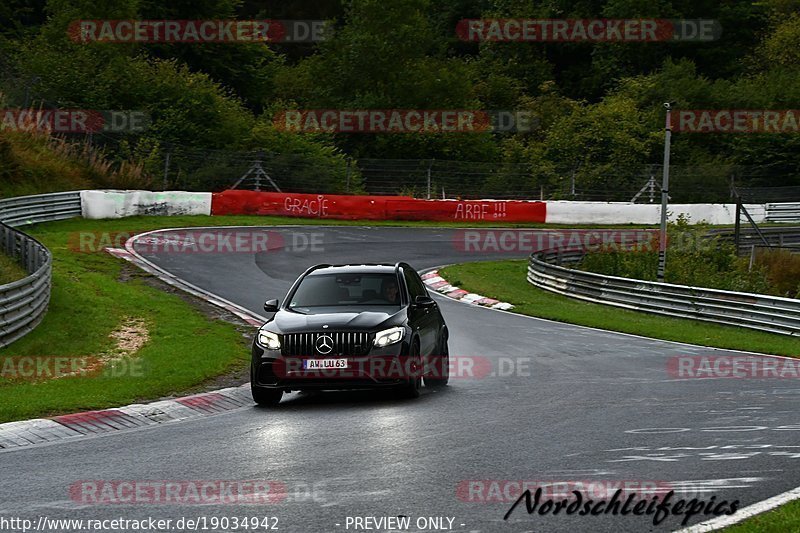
(423, 319)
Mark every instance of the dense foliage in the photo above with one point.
(696, 259)
(599, 106)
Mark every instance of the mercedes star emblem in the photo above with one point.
(324, 344)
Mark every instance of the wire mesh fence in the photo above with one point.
(770, 194)
(197, 169)
(177, 167)
(170, 166)
(435, 178)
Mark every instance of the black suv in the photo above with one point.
(351, 327)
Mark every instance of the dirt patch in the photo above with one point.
(130, 337)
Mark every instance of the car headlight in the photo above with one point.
(269, 340)
(389, 336)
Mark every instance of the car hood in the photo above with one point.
(286, 321)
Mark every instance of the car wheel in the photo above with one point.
(264, 397)
(411, 388)
(440, 376)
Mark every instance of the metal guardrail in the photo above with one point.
(24, 210)
(787, 237)
(783, 212)
(753, 311)
(23, 303)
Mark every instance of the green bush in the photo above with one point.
(782, 270)
(696, 260)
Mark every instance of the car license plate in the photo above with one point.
(324, 364)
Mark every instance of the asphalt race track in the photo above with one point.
(585, 405)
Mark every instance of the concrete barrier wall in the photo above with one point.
(334, 206)
(118, 204)
(98, 204)
(627, 213)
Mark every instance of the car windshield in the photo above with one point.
(331, 290)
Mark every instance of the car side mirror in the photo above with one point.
(424, 301)
(271, 306)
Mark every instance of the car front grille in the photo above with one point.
(342, 344)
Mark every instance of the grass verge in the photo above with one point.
(784, 518)
(91, 298)
(505, 280)
(144, 223)
(10, 270)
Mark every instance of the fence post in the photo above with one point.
(737, 225)
(662, 245)
(430, 164)
(166, 170)
(572, 183)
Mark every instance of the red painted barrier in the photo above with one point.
(374, 207)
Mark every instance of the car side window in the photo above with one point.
(415, 285)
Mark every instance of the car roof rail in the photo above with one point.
(311, 269)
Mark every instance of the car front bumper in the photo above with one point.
(382, 367)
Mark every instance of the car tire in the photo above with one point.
(442, 360)
(411, 388)
(264, 397)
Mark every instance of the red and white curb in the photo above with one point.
(437, 283)
(246, 315)
(130, 254)
(43, 430)
(58, 428)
